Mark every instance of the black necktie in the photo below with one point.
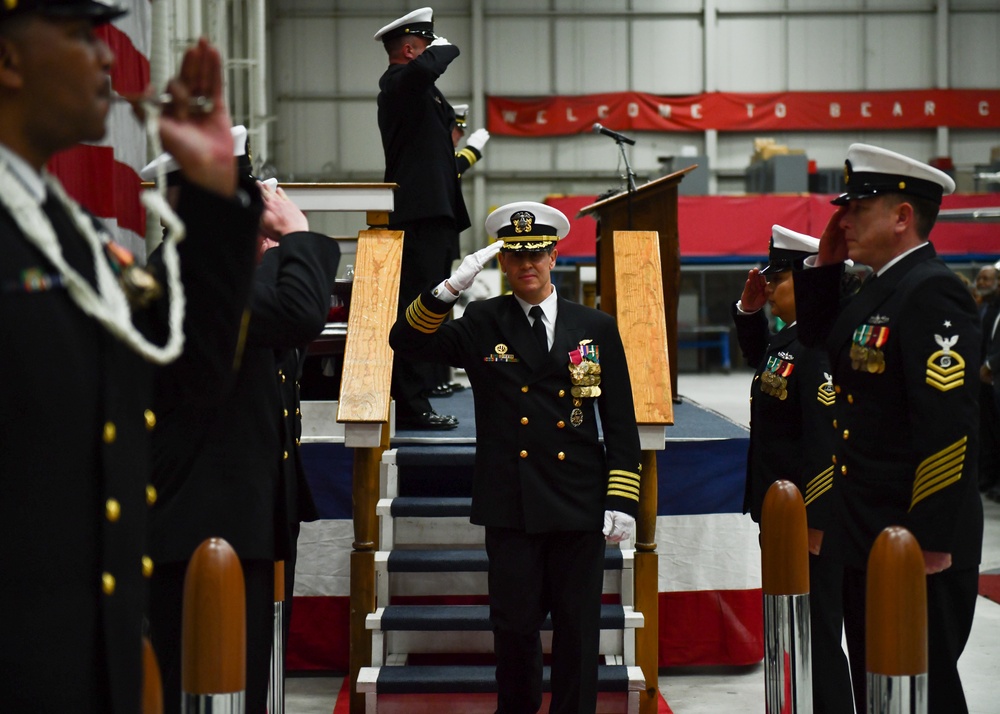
(538, 327)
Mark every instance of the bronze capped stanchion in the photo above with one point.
(152, 684)
(896, 625)
(784, 561)
(276, 685)
(213, 638)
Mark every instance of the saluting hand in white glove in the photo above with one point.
(477, 139)
(470, 266)
(438, 41)
(617, 526)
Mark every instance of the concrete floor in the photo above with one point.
(712, 690)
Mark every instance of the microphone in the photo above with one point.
(598, 129)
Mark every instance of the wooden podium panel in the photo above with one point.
(652, 207)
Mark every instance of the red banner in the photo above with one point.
(782, 111)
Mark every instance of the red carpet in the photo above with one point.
(989, 585)
(468, 703)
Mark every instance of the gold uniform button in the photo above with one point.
(562, 392)
(297, 441)
(561, 456)
(298, 412)
(108, 583)
(147, 566)
(524, 454)
(561, 424)
(847, 434)
(150, 418)
(285, 455)
(150, 495)
(284, 412)
(850, 399)
(524, 388)
(834, 458)
(112, 510)
(843, 469)
(110, 432)
(834, 423)
(524, 420)
(837, 389)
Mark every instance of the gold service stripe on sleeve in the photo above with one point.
(939, 471)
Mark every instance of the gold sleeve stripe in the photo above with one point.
(819, 485)
(624, 485)
(627, 474)
(469, 155)
(939, 471)
(623, 494)
(422, 319)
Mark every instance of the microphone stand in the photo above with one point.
(630, 176)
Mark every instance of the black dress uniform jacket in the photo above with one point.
(414, 119)
(790, 425)
(535, 471)
(906, 438)
(233, 486)
(76, 414)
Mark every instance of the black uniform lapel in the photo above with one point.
(870, 296)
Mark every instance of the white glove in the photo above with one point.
(477, 139)
(438, 41)
(617, 526)
(470, 266)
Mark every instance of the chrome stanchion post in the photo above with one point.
(896, 625)
(276, 684)
(784, 542)
(213, 636)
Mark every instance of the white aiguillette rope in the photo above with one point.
(108, 304)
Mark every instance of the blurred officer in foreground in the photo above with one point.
(905, 358)
(231, 468)
(541, 368)
(83, 331)
(791, 407)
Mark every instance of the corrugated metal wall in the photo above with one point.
(324, 69)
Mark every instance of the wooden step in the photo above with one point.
(477, 678)
(465, 560)
(452, 618)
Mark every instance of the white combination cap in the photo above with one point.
(527, 226)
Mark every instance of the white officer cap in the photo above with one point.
(461, 114)
(874, 171)
(788, 249)
(419, 22)
(169, 163)
(527, 226)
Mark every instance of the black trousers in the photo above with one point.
(531, 576)
(429, 247)
(831, 674)
(166, 601)
(951, 605)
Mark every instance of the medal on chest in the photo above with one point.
(866, 349)
(585, 376)
(774, 380)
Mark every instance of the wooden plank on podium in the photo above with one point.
(364, 388)
(643, 325)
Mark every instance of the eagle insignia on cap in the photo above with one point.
(522, 221)
(847, 172)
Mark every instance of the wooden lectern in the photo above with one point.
(652, 207)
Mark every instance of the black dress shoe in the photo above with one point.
(428, 420)
(442, 390)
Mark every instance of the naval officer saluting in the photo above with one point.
(547, 490)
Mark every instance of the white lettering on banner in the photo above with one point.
(570, 116)
(780, 110)
(929, 109)
(835, 110)
(897, 110)
(984, 109)
(696, 111)
(602, 111)
(633, 109)
(665, 110)
(509, 116)
(750, 108)
(866, 109)
(540, 117)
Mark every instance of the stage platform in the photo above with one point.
(710, 604)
